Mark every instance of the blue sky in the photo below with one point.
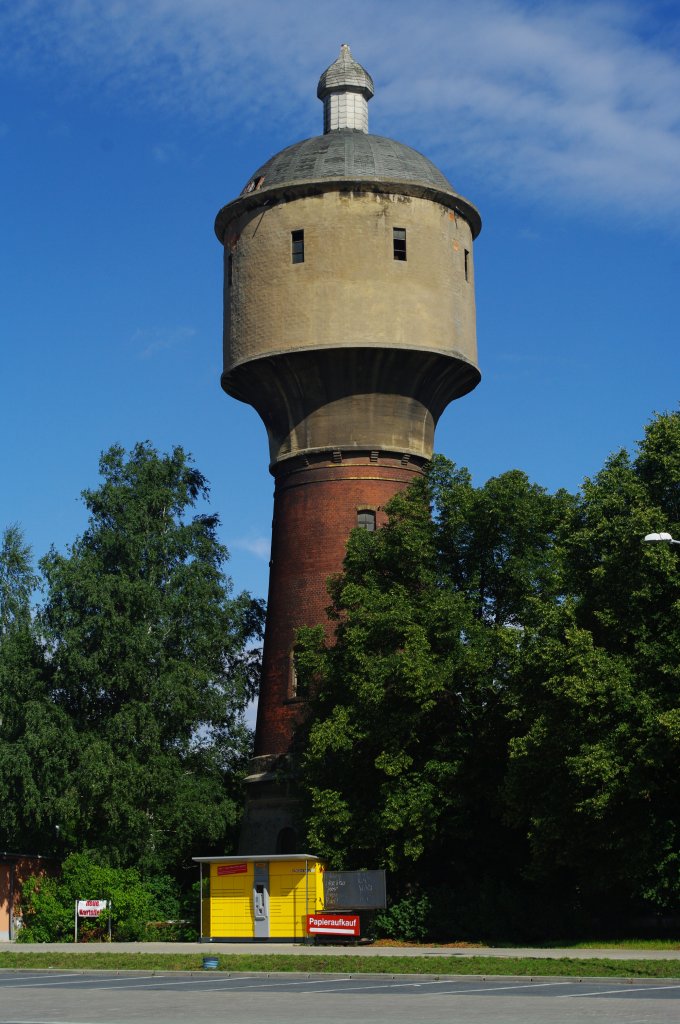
(125, 126)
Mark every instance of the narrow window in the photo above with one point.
(467, 265)
(230, 272)
(296, 687)
(366, 519)
(399, 243)
(298, 246)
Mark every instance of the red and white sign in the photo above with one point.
(333, 924)
(92, 908)
(232, 869)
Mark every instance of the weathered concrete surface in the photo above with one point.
(350, 348)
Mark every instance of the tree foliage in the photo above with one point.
(135, 904)
(34, 734)
(126, 729)
(497, 720)
(17, 581)
(602, 690)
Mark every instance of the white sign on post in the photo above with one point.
(91, 908)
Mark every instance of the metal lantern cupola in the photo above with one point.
(345, 88)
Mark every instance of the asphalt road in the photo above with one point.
(90, 997)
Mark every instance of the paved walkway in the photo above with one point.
(304, 950)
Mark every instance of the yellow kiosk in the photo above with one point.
(259, 898)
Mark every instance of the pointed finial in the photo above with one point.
(345, 88)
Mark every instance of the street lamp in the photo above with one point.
(660, 538)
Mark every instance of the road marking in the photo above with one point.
(625, 989)
(531, 984)
(225, 980)
(449, 981)
(51, 980)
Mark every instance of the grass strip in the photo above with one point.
(637, 944)
(440, 965)
(650, 944)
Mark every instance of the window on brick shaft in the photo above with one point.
(366, 519)
(295, 689)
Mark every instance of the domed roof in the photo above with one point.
(352, 156)
(345, 73)
(346, 154)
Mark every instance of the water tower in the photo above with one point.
(349, 325)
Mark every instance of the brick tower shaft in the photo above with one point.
(315, 508)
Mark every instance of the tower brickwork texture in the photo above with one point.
(349, 325)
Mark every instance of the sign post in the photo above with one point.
(91, 908)
(306, 889)
(200, 901)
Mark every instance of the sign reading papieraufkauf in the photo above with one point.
(333, 924)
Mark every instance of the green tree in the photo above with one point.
(18, 581)
(406, 748)
(35, 736)
(598, 705)
(150, 662)
(500, 706)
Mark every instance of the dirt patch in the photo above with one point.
(397, 943)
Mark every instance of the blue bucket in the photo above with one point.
(210, 963)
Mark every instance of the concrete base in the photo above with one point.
(270, 820)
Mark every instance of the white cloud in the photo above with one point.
(258, 546)
(570, 102)
(163, 152)
(151, 340)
